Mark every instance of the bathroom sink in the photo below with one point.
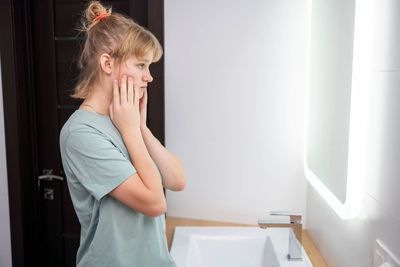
(233, 247)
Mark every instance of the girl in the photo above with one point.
(109, 155)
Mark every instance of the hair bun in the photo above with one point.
(95, 9)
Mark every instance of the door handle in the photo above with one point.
(49, 176)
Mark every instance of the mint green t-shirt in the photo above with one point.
(95, 162)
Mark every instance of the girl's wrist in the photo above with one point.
(143, 128)
(131, 132)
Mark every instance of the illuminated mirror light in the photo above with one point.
(360, 99)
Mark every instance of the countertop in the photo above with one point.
(171, 222)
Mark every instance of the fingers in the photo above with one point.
(116, 101)
(126, 93)
(130, 91)
(143, 100)
(110, 109)
(145, 95)
(136, 95)
(123, 93)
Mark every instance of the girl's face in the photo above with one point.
(139, 70)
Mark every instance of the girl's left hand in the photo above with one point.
(143, 109)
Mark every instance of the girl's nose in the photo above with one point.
(147, 77)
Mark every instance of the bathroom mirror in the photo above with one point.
(329, 96)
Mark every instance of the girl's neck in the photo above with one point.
(99, 100)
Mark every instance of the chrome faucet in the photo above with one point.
(295, 226)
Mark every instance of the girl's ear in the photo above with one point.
(107, 63)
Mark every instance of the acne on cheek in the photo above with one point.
(127, 77)
(132, 74)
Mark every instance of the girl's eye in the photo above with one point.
(141, 66)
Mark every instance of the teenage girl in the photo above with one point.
(115, 168)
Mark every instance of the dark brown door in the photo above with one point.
(55, 51)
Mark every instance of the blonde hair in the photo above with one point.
(115, 34)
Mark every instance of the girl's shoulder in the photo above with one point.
(86, 124)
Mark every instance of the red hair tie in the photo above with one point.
(99, 17)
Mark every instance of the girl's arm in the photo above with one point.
(143, 190)
(171, 168)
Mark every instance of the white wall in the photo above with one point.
(350, 243)
(5, 239)
(235, 105)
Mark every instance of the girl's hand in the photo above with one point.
(143, 110)
(124, 107)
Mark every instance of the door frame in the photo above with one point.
(18, 82)
(20, 131)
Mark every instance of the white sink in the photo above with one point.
(233, 247)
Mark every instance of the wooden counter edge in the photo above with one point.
(171, 222)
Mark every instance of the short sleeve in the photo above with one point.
(96, 162)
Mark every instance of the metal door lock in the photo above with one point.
(48, 193)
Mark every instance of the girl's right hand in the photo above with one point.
(124, 107)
